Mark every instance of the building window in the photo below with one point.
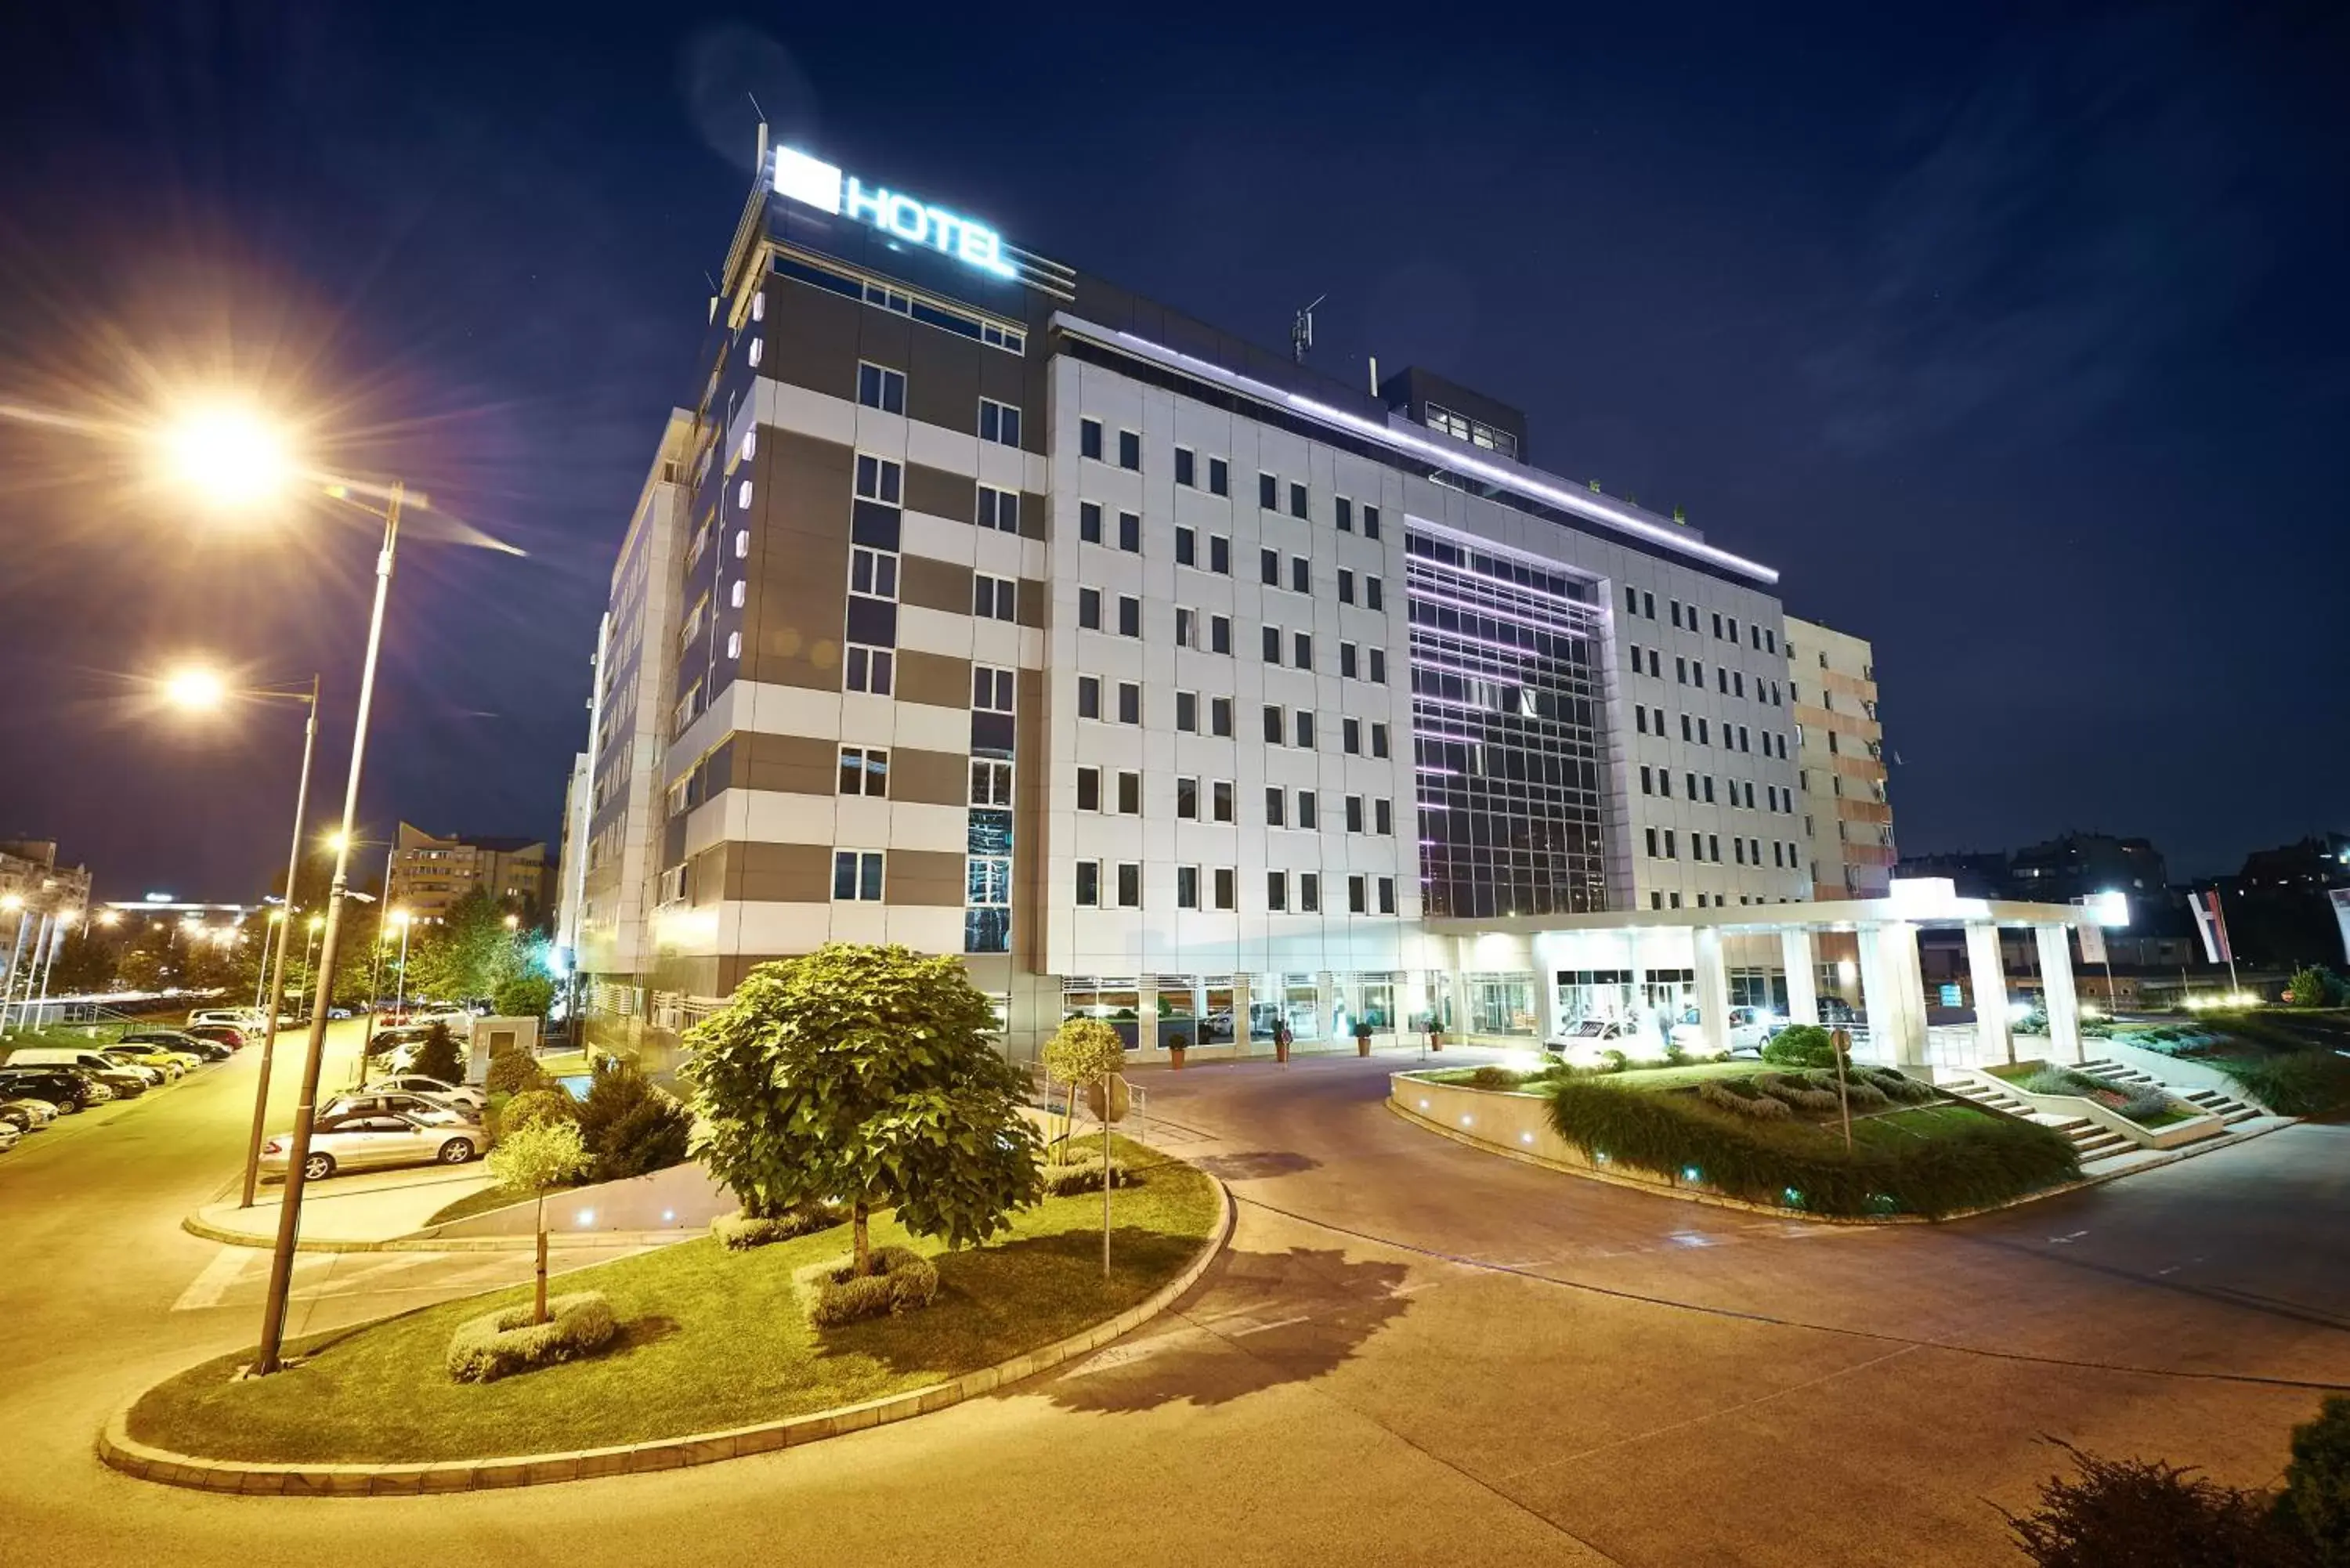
(1274, 800)
(1220, 801)
(863, 770)
(1187, 548)
(999, 509)
(999, 422)
(1130, 615)
(1275, 728)
(1089, 442)
(1089, 609)
(1268, 567)
(1276, 890)
(1129, 449)
(1089, 789)
(1301, 575)
(1129, 702)
(857, 875)
(1220, 554)
(1297, 504)
(1088, 696)
(1220, 717)
(995, 598)
(1271, 639)
(878, 479)
(987, 881)
(1219, 634)
(869, 669)
(1308, 811)
(1220, 477)
(1370, 521)
(1350, 736)
(1378, 740)
(1354, 814)
(1187, 887)
(1358, 898)
(1383, 817)
(1130, 795)
(1342, 512)
(878, 387)
(990, 689)
(1187, 799)
(1268, 492)
(1129, 885)
(1129, 532)
(1224, 879)
(1187, 627)
(1345, 661)
(1088, 884)
(873, 573)
(1346, 587)
(1305, 729)
(991, 784)
(1089, 522)
(1187, 711)
(1185, 467)
(1378, 667)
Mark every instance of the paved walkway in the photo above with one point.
(370, 1208)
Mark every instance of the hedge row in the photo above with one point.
(2293, 1084)
(498, 1343)
(1985, 1160)
(904, 1282)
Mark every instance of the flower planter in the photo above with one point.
(1175, 1055)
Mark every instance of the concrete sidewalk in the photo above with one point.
(371, 1210)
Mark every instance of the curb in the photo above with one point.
(417, 1242)
(118, 1450)
(1722, 1200)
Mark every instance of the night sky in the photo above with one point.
(2016, 340)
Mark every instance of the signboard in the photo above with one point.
(824, 186)
(1952, 996)
(2093, 944)
(1109, 1098)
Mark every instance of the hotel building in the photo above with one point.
(974, 602)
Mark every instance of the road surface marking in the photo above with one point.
(208, 1287)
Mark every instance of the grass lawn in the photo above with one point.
(1890, 1129)
(482, 1202)
(708, 1339)
(1680, 1077)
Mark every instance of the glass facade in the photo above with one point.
(1506, 715)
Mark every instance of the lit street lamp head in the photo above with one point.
(228, 455)
(195, 690)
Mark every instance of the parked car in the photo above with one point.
(464, 1095)
(68, 1089)
(26, 1115)
(128, 1080)
(180, 1040)
(361, 1142)
(395, 1102)
(227, 1034)
(1599, 1033)
(1749, 1027)
(170, 1065)
(9, 1134)
(234, 1017)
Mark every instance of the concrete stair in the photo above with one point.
(2229, 1109)
(2090, 1141)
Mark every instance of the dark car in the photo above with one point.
(179, 1040)
(67, 1088)
(219, 1034)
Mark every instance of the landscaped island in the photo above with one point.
(1774, 1134)
(708, 1338)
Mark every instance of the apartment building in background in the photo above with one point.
(428, 874)
(1847, 820)
(974, 602)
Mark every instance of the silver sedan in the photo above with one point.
(371, 1140)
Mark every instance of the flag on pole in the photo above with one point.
(2211, 924)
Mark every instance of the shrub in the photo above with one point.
(1899, 1085)
(630, 1125)
(1675, 1056)
(1494, 1078)
(438, 1057)
(2123, 1512)
(536, 1108)
(1613, 1060)
(1732, 1096)
(1985, 1160)
(902, 1281)
(2315, 985)
(1803, 1095)
(515, 1072)
(494, 1344)
(2317, 1482)
(740, 1232)
(1062, 1177)
(2293, 1084)
(2033, 1022)
(1799, 1045)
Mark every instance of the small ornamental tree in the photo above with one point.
(1083, 1052)
(535, 1157)
(865, 1076)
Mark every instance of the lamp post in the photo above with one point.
(403, 919)
(13, 903)
(310, 969)
(198, 689)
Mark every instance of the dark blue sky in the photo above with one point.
(2015, 339)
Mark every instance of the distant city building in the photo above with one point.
(1972, 873)
(1847, 820)
(40, 901)
(2077, 866)
(2278, 905)
(429, 875)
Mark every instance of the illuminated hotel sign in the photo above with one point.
(823, 186)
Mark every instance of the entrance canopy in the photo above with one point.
(1625, 946)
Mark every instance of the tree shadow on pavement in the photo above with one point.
(1258, 1320)
(1257, 1164)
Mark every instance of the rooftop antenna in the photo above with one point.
(1301, 331)
(760, 169)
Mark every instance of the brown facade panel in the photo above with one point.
(794, 764)
(931, 878)
(1033, 512)
(926, 584)
(693, 976)
(943, 377)
(1030, 603)
(886, 339)
(706, 876)
(779, 873)
(929, 778)
(812, 338)
(940, 680)
(798, 569)
(952, 496)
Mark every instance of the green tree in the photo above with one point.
(1801, 1045)
(865, 1075)
(531, 1160)
(2315, 985)
(1083, 1051)
(630, 1125)
(525, 996)
(469, 953)
(439, 1058)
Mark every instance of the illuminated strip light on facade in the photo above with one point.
(1511, 477)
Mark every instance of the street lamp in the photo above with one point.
(403, 919)
(198, 689)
